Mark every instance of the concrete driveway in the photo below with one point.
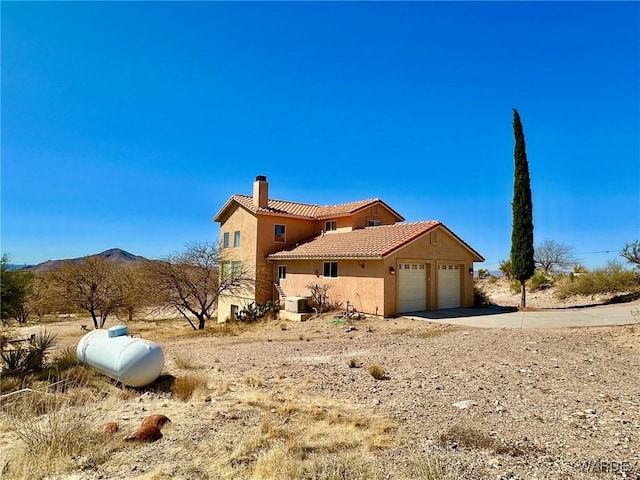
(502, 317)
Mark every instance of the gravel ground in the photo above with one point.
(545, 404)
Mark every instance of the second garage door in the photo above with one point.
(413, 287)
(448, 286)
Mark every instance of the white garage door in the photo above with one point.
(448, 286)
(413, 287)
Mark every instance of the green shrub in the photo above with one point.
(505, 269)
(611, 279)
(30, 357)
(515, 286)
(540, 280)
(256, 311)
(480, 298)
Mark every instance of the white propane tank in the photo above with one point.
(133, 361)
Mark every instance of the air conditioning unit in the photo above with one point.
(295, 304)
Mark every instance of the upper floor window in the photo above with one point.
(373, 223)
(330, 225)
(225, 240)
(282, 271)
(279, 233)
(330, 269)
(236, 239)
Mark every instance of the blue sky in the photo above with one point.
(130, 124)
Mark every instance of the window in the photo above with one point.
(225, 240)
(279, 233)
(236, 239)
(282, 271)
(236, 269)
(331, 269)
(373, 223)
(331, 225)
(231, 271)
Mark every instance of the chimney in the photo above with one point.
(261, 191)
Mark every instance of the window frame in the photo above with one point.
(236, 239)
(373, 223)
(225, 240)
(282, 272)
(328, 267)
(279, 238)
(330, 226)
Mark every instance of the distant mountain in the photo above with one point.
(114, 255)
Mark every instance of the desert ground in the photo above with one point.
(297, 400)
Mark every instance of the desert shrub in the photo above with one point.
(480, 298)
(483, 273)
(184, 361)
(256, 311)
(492, 280)
(505, 269)
(611, 279)
(184, 387)
(353, 363)
(377, 372)
(30, 357)
(55, 437)
(540, 280)
(66, 359)
(430, 467)
(320, 298)
(515, 286)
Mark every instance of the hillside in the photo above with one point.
(498, 292)
(113, 255)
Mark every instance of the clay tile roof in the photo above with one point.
(301, 209)
(370, 242)
(331, 210)
(274, 206)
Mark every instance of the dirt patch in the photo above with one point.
(550, 404)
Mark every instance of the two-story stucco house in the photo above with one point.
(369, 259)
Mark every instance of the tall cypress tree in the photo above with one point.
(522, 265)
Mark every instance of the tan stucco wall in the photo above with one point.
(383, 215)
(446, 249)
(245, 222)
(374, 285)
(370, 289)
(362, 287)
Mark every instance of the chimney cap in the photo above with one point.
(261, 178)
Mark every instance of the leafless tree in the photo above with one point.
(192, 281)
(134, 290)
(552, 256)
(631, 253)
(91, 284)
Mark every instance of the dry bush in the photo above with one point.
(470, 437)
(353, 363)
(184, 387)
(432, 467)
(185, 361)
(55, 436)
(377, 372)
(254, 381)
(611, 279)
(460, 436)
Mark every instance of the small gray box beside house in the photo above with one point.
(295, 304)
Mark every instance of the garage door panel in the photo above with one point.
(448, 286)
(412, 287)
